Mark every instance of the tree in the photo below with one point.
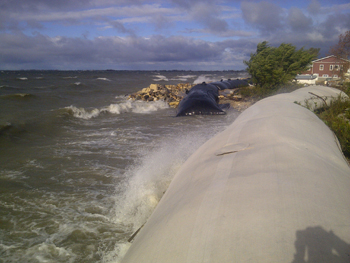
(271, 67)
(342, 51)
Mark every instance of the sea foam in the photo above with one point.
(140, 107)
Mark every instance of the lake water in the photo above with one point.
(81, 166)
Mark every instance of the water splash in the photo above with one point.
(145, 182)
(141, 107)
(206, 78)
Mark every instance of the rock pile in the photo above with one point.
(172, 94)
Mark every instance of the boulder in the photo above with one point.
(146, 90)
(154, 87)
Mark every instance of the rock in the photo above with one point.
(154, 87)
(172, 94)
(237, 97)
(145, 90)
(174, 104)
(164, 90)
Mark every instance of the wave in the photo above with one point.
(205, 78)
(144, 107)
(70, 77)
(184, 78)
(17, 96)
(140, 107)
(81, 113)
(11, 130)
(7, 87)
(146, 181)
(160, 78)
(5, 126)
(105, 79)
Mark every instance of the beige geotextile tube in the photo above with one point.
(273, 187)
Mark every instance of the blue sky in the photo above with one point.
(159, 34)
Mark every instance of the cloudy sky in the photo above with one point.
(160, 34)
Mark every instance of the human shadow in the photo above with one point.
(316, 245)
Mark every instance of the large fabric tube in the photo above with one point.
(273, 187)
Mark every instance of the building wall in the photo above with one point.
(327, 67)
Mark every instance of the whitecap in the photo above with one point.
(160, 78)
(148, 107)
(81, 113)
(22, 78)
(45, 251)
(119, 108)
(121, 96)
(184, 77)
(205, 78)
(12, 174)
(33, 164)
(105, 79)
(141, 107)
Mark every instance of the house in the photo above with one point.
(326, 68)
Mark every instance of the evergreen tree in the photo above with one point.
(271, 67)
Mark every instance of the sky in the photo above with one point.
(160, 34)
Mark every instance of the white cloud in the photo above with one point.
(298, 20)
(265, 16)
(314, 7)
(315, 37)
(115, 11)
(106, 51)
(163, 33)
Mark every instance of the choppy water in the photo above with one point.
(81, 167)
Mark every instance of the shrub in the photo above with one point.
(337, 117)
